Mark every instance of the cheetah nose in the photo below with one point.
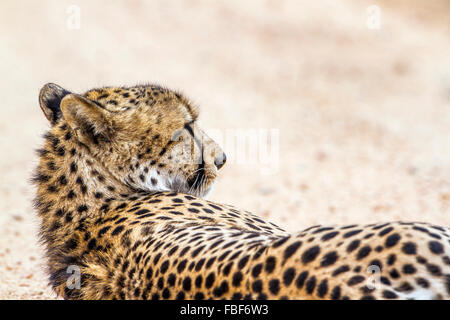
(220, 161)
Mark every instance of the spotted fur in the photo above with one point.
(120, 183)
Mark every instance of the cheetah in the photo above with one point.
(121, 182)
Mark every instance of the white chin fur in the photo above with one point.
(207, 192)
(164, 182)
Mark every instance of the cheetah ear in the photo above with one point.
(50, 98)
(87, 118)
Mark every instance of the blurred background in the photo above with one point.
(359, 95)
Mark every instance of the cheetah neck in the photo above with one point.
(71, 184)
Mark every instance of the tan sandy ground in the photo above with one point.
(363, 115)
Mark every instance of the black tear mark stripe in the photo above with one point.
(188, 127)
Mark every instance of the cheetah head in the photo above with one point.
(146, 136)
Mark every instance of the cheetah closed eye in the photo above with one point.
(120, 183)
